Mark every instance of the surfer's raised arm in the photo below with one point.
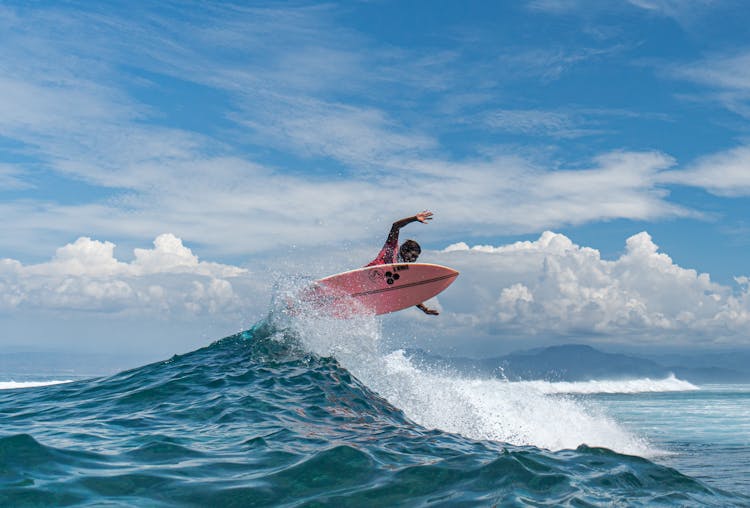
(422, 217)
(409, 251)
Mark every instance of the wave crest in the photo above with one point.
(12, 385)
(644, 385)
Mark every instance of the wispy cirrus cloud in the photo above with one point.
(217, 197)
(682, 11)
(555, 6)
(724, 173)
(571, 122)
(355, 136)
(726, 75)
(303, 132)
(528, 196)
(11, 178)
(556, 124)
(551, 64)
(530, 121)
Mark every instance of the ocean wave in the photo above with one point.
(494, 409)
(11, 385)
(488, 409)
(311, 413)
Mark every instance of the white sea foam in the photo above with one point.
(515, 413)
(318, 326)
(645, 385)
(493, 409)
(11, 385)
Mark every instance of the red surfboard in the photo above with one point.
(380, 289)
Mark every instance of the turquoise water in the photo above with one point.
(703, 433)
(313, 414)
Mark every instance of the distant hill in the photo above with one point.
(575, 362)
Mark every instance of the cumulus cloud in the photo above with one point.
(553, 287)
(85, 275)
(547, 290)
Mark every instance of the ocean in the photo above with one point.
(307, 411)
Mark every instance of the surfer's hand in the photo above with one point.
(428, 311)
(424, 216)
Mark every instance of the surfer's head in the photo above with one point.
(410, 251)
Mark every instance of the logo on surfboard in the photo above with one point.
(390, 277)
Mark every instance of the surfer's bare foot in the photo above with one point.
(426, 310)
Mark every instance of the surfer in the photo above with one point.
(407, 253)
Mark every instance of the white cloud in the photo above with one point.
(561, 123)
(356, 136)
(550, 64)
(511, 194)
(682, 11)
(86, 276)
(170, 256)
(552, 287)
(555, 6)
(59, 109)
(206, 199)
(722, 71)
(11, 178)
(727, 74)
(724, 173)
(532, 122)
(547, 290)
(80, 116)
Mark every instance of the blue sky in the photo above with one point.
(256, 139)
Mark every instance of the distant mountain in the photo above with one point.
(575, 362)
